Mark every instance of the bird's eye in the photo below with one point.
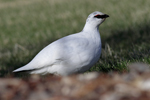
(101, 16)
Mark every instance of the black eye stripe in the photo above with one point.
(101, 16)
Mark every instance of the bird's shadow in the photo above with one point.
(127, 38)
(128, 44)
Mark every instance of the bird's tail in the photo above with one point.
(24, 68)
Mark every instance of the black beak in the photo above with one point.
(105, 16)
(102, 16)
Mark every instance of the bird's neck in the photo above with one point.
(92, 32)
(90, 27)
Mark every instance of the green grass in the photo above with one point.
(26, 26)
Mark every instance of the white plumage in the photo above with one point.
(75, 53)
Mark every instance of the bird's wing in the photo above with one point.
(56, 52)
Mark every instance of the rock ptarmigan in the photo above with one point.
(74, 53)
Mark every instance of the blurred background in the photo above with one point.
(27, 26)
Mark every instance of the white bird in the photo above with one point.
(75, 53)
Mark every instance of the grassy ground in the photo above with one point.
(26, 26)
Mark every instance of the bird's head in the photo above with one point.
(96, 18)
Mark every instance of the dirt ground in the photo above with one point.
(134, 85)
